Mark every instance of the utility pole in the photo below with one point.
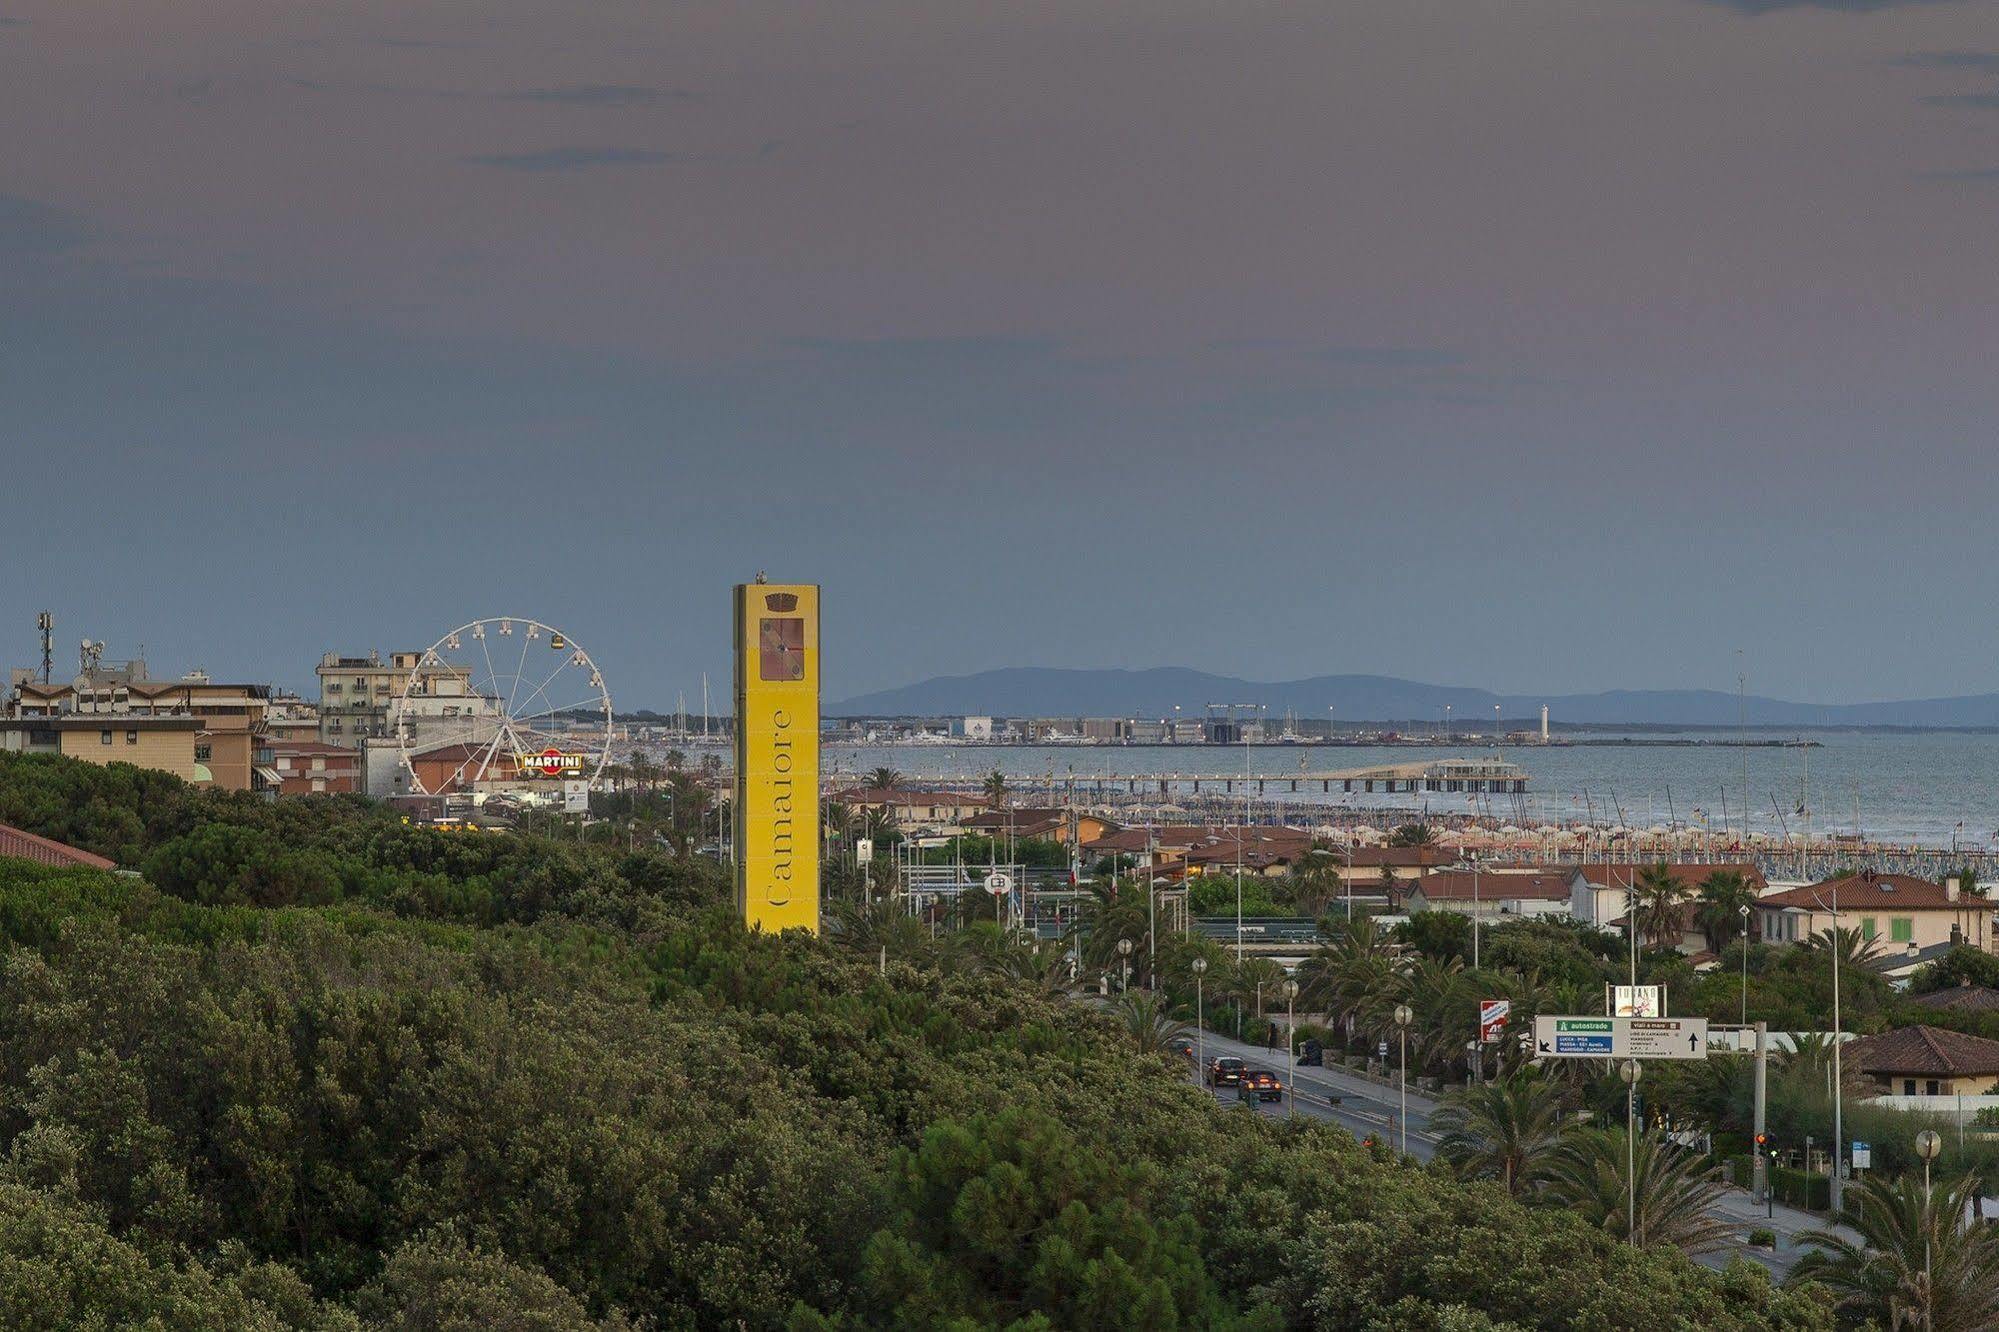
(1759, 1184)
(47, 624)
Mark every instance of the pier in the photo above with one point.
(1475, 775)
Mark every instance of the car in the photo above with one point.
(1183, 1046)
(1259, 1084)
(1224, 1071)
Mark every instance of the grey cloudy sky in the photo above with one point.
(1516, 343)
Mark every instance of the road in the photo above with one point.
(1367, 1107)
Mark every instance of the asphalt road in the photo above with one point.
(1367, 1107)
(1364, 1107)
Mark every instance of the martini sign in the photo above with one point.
(550, 762)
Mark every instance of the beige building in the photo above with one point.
(167, 744)
(359, 698)
(1926, 1061)
(1899, 911)
(122, 717)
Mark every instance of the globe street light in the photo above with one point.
(1199, 966)
(1743, 910)
(1928, 1144)
(1291, 1046)
(1124, 954)
(1630, 1070)
(1403, 1017)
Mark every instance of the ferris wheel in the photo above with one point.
(505, 698)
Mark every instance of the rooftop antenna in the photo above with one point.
(47, 624)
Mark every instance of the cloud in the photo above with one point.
(599, 94)
(570, 159)
(30, 229)
(1757, 7)
(1974, 175)
(1987, 61)
(1976, 101)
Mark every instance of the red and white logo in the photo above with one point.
(551, 763)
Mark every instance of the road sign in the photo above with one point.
(999, 883)
(1381, 1049)
(1620, 1038)
(1863, 1155)
(864, 850)
(1492, 1015)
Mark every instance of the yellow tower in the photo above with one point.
(777, 755)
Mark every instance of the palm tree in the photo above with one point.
(1676, 1193)
(995, 788)
(1315, 881)
(1916, 1264)
(1413, 834)
(873, 927)
(1655, 911)
(884, 779)
(1147, 1021)
(1723, 895)
(1507, 1130)
(1854, 949)
(1344, 975)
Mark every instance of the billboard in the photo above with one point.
(777, 755)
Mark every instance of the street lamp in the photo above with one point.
(1403, 1017)
(1928, 1144)
(1630, 1070)
(1124, 954)
(1744, 911)
(1199, 966)
(1291, 1047)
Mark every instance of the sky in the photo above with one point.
(1532, 345)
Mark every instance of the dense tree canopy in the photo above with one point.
(319, 1070)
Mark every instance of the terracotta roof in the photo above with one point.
(26, 846)
(1400, 857)
(1864, 892)
(1690, 875)
(1960, 998)
(1456, 886)
(1930, 1051)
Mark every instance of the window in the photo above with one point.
(1902, 929)
(1908, 1086)
(104, 737)
(333, 686)
(1931, 1088)
(319, 765)
(201, 753)
(319, 783)
(1867, 930)
(131, 737)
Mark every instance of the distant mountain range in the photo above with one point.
(1037, 691)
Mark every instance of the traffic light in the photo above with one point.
(1762, 1140)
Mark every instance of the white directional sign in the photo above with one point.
(1620, 1038)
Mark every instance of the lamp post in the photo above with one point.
(1744, 910)
(1199, 966)
(1403, 1017)
(1928, 1144)
(1629, 1070)
(1291, 1048)
(1474, 907)
(1124, 956)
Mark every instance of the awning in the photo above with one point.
(269, 776)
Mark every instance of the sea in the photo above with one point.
(1936, 789)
